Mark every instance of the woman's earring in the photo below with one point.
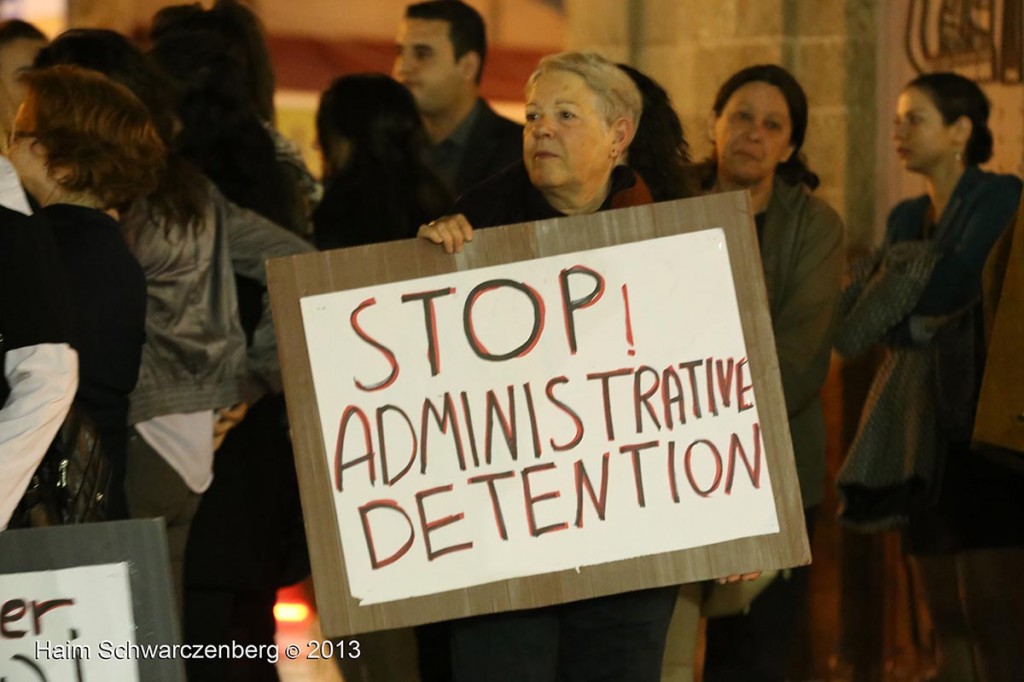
(959, 155)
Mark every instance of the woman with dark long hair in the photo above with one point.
(659, 151)
(185, 33)
(377, 186)
(231, 586)
(221, 131)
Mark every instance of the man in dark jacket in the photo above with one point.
(439, 56)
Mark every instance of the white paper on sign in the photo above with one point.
(68, 625)
(538, 416)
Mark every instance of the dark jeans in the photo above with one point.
(433, 645)
(230, 617)
(758, 645)
(620, 638)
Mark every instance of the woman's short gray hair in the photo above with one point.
(617, 94)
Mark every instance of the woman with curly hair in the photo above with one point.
(659, 152)
(191, 242)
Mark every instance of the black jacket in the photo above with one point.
(34, 303)
(108, 309)
(494, 143)
(509, 198)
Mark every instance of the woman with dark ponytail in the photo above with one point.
(910, 467)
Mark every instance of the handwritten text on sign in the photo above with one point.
(537, 416)
(70, 625)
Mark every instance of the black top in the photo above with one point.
(32, 292)
(493, 144)
(33, 302)
(108, 309)
(509, 198)
(759, 220)
(357, 211)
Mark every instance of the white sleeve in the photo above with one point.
(43, 380)
(12, 194)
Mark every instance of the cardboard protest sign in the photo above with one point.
(88, 602)
(71, 624)
(567, 409)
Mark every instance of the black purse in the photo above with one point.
(72, 483)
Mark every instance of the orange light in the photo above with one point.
(290, 612)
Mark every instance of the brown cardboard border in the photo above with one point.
(294, 277)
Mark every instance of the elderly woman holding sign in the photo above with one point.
(581, 113)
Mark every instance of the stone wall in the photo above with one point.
(909, 43)
(692, 46)
(529, 24)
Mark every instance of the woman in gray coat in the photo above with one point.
(190, 242)
(760, 116)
